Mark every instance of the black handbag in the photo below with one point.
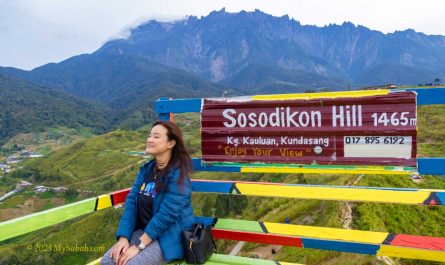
(198, 244)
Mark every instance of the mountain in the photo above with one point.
(261, 79)
(128, 84)
(25, 107)
(107, 77)
(394, 73)
(245, 52)
(222, 44)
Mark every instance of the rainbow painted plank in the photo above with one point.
(33, 222)
(198, 165)
(343, 240)
(218, 259)
(425, 96)
(426, 166)
(29, 223)
(322, 192)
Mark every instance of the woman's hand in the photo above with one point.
(127, 255)
(119, 249)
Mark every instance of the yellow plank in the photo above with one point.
(327, 193)
(307, 96)
(411, 253)
(95, 262)
(104, 201)
(327, 233)
(323, 170)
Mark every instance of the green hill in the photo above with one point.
(121, 89)
(93, 163)
(25, 107)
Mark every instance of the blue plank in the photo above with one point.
(198, 167)
(425, 96)
(205, 220)
(209, 186)
(178, 105)
(429, 96)
(431, 166)
(426, 166)
(441, 196)
(341, 246)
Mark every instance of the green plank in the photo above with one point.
(251, 226)
(218, 259)
(224, 259)
(36, 221)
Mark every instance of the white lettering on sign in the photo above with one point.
(342, 116)
(281, 117)
(352, 115)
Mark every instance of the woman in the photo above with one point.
(158, 206)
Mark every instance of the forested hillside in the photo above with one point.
(25, 107)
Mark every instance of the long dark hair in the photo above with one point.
(180, 155)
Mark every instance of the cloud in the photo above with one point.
(58, 29)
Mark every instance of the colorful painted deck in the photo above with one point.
(336, 239)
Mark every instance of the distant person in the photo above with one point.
(158, 206)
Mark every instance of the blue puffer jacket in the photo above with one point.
(172, 212)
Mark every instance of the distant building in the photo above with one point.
(25, 153)
(12, 160)
(388, 86)
(60, 189)
(5, 168)
(39, 189)
(24, 184)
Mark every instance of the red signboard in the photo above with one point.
(365, 130)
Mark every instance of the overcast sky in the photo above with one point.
(36, 32)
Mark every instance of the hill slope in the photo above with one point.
(25, 107)
(128, 84)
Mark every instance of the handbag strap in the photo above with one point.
(198, 226)
(191, 248)
(214, 245)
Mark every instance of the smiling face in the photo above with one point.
(158, 142)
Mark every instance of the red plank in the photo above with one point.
(425, 242)
(258, 237)
(119, 196)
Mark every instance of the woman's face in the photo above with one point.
(157, 141)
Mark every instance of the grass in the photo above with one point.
(49, 140)
(47, 195)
